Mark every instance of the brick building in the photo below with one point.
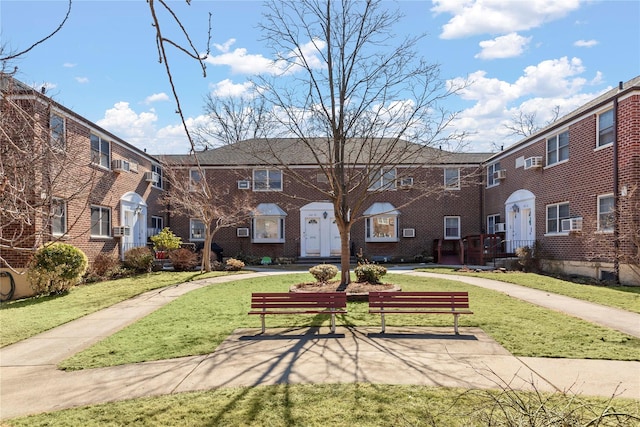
(81, 184)
(573, 187)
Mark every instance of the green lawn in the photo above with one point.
(24, 318)
(200, 320)
(347, 405)
(623, 297)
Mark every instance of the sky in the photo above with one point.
(520, 55)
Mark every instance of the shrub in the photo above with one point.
(324, 272)
(56, 268)
(371, 273)
(105, 266)
(529, 257)
(139, 259)
(165, 240)
(183, 259)
(234, 264)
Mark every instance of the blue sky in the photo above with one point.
(521, 55)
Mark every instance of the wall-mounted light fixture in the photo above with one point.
(515, 208)
(325, 215)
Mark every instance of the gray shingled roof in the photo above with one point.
(293, 151)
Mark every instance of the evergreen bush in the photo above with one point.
(324, 272)
(56, 268)
(139, 259)
(371, 273)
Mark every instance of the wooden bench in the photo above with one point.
(299, 303)
(455, 303)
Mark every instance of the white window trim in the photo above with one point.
(608, 144)
(268, 184)
(279, 220)
(62, 203)
(600, 229)
(559, 220)
(109, 225)
(369, 237)
(160, 183)
(64, 132)
(196, 239)
(451, 187)
(100, 153)
(379, 184)
(445, 227)
(557, 149)
(496, 220)
(195, 185)
(491, 170)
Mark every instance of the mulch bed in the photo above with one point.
(352, 288)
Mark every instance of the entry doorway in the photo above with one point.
(318, 230)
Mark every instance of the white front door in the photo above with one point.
(312, 236)
(336, 247)
(133, 215)
(520, 216)
(320, 236)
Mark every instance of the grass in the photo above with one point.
(623, 297)
(199, 321)
(24, 318)
(341, 405)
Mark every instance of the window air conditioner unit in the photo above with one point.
(500, 174)
(244, 185)
(242, 232)
(408, 232)
(406, 182)
(119, 165)
(133, 166)
(153, 177)
(500, 227)
(533, 162)
(571, 224)
(121, 231)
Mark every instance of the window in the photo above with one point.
(57, 130)
(492, 220)
(491, 174)
(197, 230)
(195, 179)
(100, 221)
(451, 227)
(267, 180)
(381, 223)
(268, 223)
(606, 217)
(605, 128)
(452, 179)
(383, 179)
(157, 169)
(58, 217)
(558, 148)
(100, 153)
(157, 224)
(555, 214)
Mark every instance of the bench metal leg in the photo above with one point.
(262, 319)
(383, 325)
(333, 323)
(455, 323)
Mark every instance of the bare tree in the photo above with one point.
(351, 100)
(211, 203)
(526, 124)
(41, 179)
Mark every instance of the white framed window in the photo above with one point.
(606, 217)
(452, 178)
(196, 230)
(555, 214)
(57, 131)
(58, 217)
(157, 224)
(605, 128)
(491, 174)
(381, 223)
(267, 180)
(451, 227)
(383, 179)
(492, 220)
(558, 148)
(100, 221)
(157, 169)
(268, 224)
(195, 179)
(100, 151)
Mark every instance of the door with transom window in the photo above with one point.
(319, 233)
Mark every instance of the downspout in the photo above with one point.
(616, 210)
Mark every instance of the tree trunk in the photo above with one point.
(345, 256)
(206, 252)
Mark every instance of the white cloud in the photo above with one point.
(225, 46)
(82, 80)
(473, 17)
(507, 46)
(156, 97)
(123, 121)
(69, 65)
(226, 88)
(585, 43)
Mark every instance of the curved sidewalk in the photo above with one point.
(30, 382)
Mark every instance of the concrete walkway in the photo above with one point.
(30, 383)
